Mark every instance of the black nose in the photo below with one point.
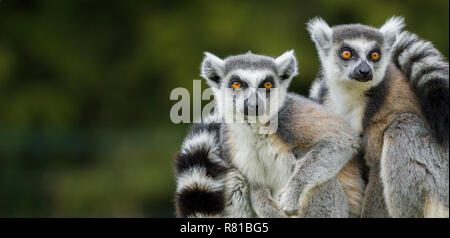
(253, 106)
(364, 71)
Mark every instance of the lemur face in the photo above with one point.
(358, 52)
(355, 54)
(250, 85)
(250, 91)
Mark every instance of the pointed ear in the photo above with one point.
(287, 65)
(320, 33)
(212, 69)
(391, 28)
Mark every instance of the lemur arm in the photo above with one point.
(329, 144)
(323, 162)
(262, 204)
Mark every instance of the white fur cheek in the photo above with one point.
(332, 71)
(379, 74)
(346, 75)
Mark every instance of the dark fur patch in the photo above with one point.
(194, 201)
(364, 169)
(323, 88)
(433, 98)
(284, 130)
(284, 76)
(323, 92)
(376, 97)
(215, 78)
(198, 158)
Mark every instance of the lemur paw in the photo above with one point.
(289, 202)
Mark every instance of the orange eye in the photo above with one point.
(375, 55)
(236, 85)
(346, 54)
(268, 85)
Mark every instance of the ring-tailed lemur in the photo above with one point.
(231, 170)
(391, 87)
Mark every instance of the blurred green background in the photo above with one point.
(84, 89)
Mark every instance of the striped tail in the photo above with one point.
(427, 70)
(200, 173)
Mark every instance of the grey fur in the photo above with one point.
(249, 61)
(330, 155)
(413, 168)
(262, 203)
(323, 201)
(356, 31)
(237, 196)
(417, 56)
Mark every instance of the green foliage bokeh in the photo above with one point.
(84, 89)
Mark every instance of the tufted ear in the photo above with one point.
(321, 33)
(391, 28)
(212, 69)
(287, 65)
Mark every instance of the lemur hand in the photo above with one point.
(289, 200)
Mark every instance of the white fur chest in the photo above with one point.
(349, 103)
(261, 158)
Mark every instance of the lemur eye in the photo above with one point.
(268, 85)
(375, 56)
(346, 54)
(236, 85)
